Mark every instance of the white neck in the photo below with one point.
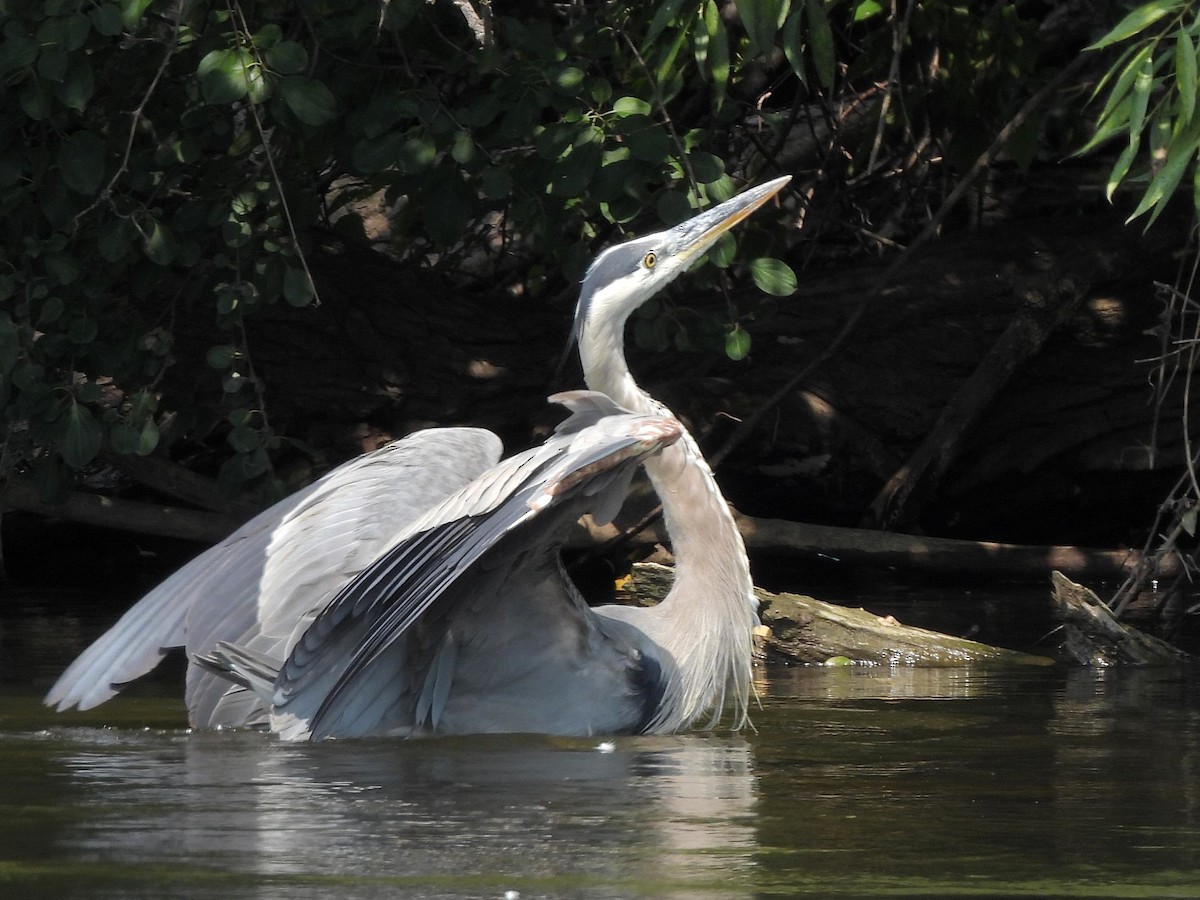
(705, 622)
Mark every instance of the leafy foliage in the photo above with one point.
(1150, 101)
(166, 169)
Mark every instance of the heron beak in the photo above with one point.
(699, 233)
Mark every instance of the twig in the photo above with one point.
(136, 115)
(234, 8)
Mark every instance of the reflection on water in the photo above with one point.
(456, 818)
(857, 781)
(1060, 783)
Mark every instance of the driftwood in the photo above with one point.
(802, 629)
(1092, 636)
(162, 520)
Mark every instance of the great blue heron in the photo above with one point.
(336, 613)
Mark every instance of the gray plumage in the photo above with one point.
(419, 589)
(257, 585)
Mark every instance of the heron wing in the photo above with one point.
(381, 644)
(287, 561)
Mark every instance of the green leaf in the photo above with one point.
(1116, 124)
(35, 99)
(287, 58)
(311, 101)
(268, 36)
(1114, 118)
(132, 12)
(79, 435)
(651, 144)
(158, 243)
(417, 155)
(107, 19)
(220, 357)
(631, 106)
(50, 312)
(568, 80)
(1185, 74)
(73, 32)
(62, 267)
(78, 84)
(773, 276)
(793, 44)
(16, 53)
(820, 40)
(1180, 153)
(737, 344)
(718, 53)
(222, 76)
(244, 439)
(148, 437)
(1133, 64)
(666, 71)
(462, 150)
(705, 166)
(724, 251)
(866, 9)
(761, 19)
(575, 171)
(298, 288)
(672, 207)
(1141, 96)
(1138, 20)
(666, 13)
(81, 162)
(1120, 169)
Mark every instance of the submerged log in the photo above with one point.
(1092, 636)
(806, 630)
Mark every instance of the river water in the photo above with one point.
(854, 782)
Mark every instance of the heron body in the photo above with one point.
(418, 589)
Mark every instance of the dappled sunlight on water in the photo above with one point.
(854, 781)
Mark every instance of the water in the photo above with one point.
(856, 782)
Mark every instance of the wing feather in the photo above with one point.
(336, 678)
(289, 559)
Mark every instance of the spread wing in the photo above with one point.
(286, 562)
(384, 653)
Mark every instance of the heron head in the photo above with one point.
(624, 277)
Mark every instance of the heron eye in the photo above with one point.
(650, 260)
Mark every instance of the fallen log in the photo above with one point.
(803, 629)
(775, 537)
(124, 515)
(856, 546)
(1092, 636)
